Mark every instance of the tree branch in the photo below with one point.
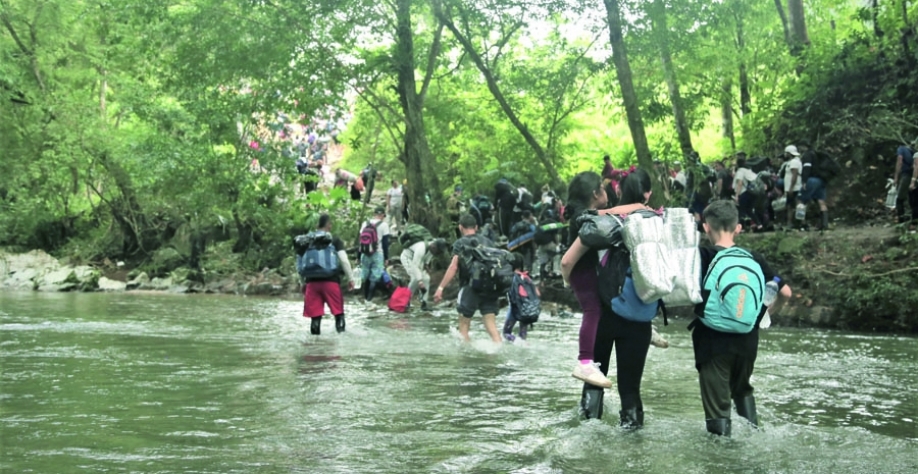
(431, 63)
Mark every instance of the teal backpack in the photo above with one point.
(736, 287)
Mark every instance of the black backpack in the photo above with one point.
(490, 270)
(524, 299)
(613, 268)
(826, 166)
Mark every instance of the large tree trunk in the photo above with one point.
(787, 33)
(798, 24)
(629, 96)
(498, 95)
(419, 161)
(726, 112)
(669, 73)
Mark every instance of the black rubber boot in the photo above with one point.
(315, 326)
(631, 419)
(339, 323)
(745, 407)
(591, 402)
(824, 215)
(718, 426)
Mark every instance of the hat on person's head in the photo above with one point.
(380, 210)
(792, 150)
(458, 189)
(740, 152)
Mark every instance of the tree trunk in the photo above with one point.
(629, 96)
(798, 24)
(745, 96)
(419, 161)
(669, 74)
(787, 34)
(726, 112)
(491, 81)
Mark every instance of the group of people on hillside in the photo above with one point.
(769, 193)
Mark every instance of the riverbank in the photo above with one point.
(850, 278)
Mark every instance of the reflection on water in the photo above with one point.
(156, 383)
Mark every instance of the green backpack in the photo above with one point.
(414, 233)
(736, 287)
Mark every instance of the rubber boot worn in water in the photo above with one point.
(718, 426)
(745, 407)
(339, 323)
(591, 402)
(315, 326)
(631, 418)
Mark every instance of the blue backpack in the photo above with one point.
(735, 287)
(630, 306)
(320, 258)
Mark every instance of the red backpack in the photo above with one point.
(400, 300)
(368, 239)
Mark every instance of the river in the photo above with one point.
(148, 383)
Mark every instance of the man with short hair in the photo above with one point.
(319, 292)
(905, 178)
(469, 299)
(395, 204)
(373, 263)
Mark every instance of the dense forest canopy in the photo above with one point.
(126, 123)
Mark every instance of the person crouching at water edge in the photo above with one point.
(601, 328)
(470, 299)
(725, 334)
(320, 260)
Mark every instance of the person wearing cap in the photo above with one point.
(372, 266)
(793, 168)
(905, 179)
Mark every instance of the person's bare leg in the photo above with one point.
(491, 326)
(464, 325)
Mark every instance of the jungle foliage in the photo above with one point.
(124, 123)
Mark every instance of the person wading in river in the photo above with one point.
(601, 329)
(725, 360)
(470, 300)
(323, 290)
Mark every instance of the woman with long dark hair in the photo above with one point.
(601, 329)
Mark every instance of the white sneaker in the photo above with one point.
(657, 340)
(590, 374)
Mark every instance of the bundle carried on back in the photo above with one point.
(654, 276)
(600, 231)
(681, 240)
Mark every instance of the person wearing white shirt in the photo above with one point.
(749, 198)
(793, 168)
(415, 258)
(395, 204)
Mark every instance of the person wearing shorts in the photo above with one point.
(470, 300)
(317, 293)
